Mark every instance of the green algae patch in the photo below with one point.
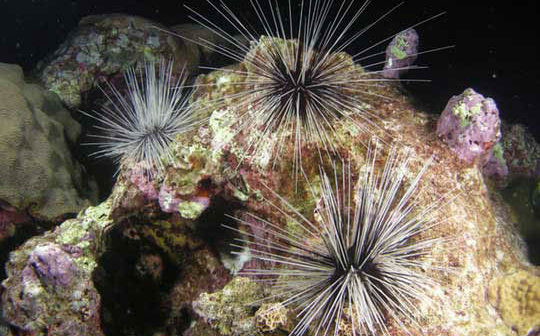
(191, 210)
(464, 112)
(498, 153)
(85, 233)
(398, 50)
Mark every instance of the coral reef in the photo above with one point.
(228, 310)
(49, 289)
(401, 53)
(486, 249)
(470, 125)
(153, 257)
(38, 175)
(104, 45)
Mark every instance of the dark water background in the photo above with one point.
(496, 49)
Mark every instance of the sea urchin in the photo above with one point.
(140, 126)
(362, 260)
(298, 82)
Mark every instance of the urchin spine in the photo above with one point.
(363, 257)
(140, 126)
(298, 83)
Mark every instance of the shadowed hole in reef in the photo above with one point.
(210, 226)
(101, 169)
(523, 195)
(133, 277)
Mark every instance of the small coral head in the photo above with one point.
(361, 260)
(140, 126)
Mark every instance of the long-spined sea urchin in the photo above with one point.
(297, 81)
(141, 125)
(362, 259)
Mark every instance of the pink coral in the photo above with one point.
(496, 166)
(53, 266)
(401, 53)
(141, 180)
(470, 125)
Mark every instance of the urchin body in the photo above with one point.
(298, 95)
(361, 260)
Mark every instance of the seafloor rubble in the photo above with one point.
(153, 259)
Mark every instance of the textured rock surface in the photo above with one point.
(228, 310)
(104, 45)
(49, 289)
(484, 243)
(401, 53)
(496, 166)
(37, 172)
(517, 299)
(10, 219)
(521, 151)
(470, 125)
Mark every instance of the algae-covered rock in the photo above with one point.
(101, 46)
(401, 53)
(521, 151)
(216, 163)
(516, 297)
(49, 288)
(37, 172)
(228, 310)
(470, 125)
(236, 310)
(105, 45)
(271, 317)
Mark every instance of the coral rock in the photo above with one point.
(10, 220)
(401, 53)
(53, 266)
(517, 299)
(49, 288)
(521, 151)
(214, 167)
(496, 166)
(228, 310)
(104, 45)
(271, 317)
(37, 172)
(470, 125)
